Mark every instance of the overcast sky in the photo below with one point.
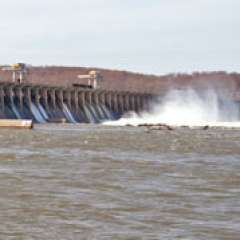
(146, 36)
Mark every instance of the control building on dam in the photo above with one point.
(76, 104)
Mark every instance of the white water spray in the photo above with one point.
(186, 107)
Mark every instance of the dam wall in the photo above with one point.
(44, 103)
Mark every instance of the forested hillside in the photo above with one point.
(225, 83)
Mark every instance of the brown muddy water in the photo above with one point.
(101, 182)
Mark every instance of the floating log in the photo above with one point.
(160, 127)
(16, 123)
(200, 127)
(197, 127)
(56, 120)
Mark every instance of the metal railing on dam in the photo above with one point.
(74, 104)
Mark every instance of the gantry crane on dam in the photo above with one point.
(94, 79)
(19, 72)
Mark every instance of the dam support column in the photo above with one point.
(27, 102)
(120, 103)
(44, 96)
(2, 98)
(139, 103)
(101, 101)
(101, 98)
(108, 100)
(136, 103)
(75, 100)
(88, 98)
(53, 98)
(89, 110)
(131, 102)
(59, 98)
(139, 107)
(146, 102)
(36, 94)
(19, 95)
(8, 103)
(9, 95)
(115, 103)
(95, 97)
(68, 99)
(74, 111)
(82, 105)
(142, 97)
(95, 104)
(126, 102)
(27, 94)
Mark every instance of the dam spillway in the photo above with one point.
(75, 104)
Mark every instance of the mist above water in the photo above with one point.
(185, 107)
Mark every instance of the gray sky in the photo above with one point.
(147, 36)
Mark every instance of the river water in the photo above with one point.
(104, 182)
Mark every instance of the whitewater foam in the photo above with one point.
(186, 107)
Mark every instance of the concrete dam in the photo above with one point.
(74, 104)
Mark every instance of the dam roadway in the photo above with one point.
(44, 103)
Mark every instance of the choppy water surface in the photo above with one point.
(101, 182)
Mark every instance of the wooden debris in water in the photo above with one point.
(194, 127)
(56, 120)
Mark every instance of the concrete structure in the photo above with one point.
(75, 104)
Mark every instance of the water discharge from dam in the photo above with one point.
(186, 107)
